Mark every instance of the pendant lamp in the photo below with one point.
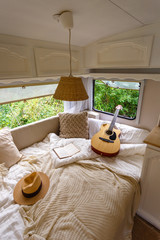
(69, 88)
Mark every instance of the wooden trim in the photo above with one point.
(142, 230)
(29, 84)
(25, 99)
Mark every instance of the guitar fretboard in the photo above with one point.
(113, 120)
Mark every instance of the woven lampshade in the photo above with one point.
(70, 89)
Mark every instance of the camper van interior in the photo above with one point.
(80, 119)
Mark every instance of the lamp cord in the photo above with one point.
(70, 54)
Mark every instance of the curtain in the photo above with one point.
(79, 106)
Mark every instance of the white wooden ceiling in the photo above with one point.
(93, 19)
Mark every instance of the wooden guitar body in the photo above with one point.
(106, 142)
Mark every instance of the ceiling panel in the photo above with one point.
(146, 11)
(93, 19)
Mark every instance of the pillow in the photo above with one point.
(94, 126)
(9, 153)
(129, 134)
(73, 125)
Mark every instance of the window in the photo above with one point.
(22, 105)
(108, 94)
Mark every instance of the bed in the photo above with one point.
(89, 197)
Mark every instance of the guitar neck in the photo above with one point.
(113, 120)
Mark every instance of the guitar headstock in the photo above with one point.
(119, 107)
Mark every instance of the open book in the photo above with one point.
(66, 151)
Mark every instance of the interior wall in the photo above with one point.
(153, 29)
(32, 46)
(150, 109)
(150, 105)
(149, 30)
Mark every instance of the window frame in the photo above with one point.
(35, 84)
(142, 84)
(27, 85)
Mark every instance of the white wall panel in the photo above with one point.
(133, 52)
(14, 61)
(51, 61)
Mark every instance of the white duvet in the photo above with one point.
(127, 163)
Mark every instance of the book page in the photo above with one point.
(66, 151)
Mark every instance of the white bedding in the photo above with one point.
(127, 163)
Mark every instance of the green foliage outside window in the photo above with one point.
(24, 112)
(106, 99)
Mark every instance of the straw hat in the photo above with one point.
(31, 188)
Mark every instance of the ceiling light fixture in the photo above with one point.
(69, 88)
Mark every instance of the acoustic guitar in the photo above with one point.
(106, 142)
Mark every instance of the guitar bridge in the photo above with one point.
(106, 140)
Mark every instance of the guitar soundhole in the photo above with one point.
(113, 137)
(109, 132)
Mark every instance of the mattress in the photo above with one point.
(90, 196)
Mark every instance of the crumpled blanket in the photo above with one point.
(90, 197)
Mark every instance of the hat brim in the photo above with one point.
(20, 199)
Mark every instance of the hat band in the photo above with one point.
(30, 195)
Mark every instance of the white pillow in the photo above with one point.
(94, 126)
(129, 134)
(9, 153)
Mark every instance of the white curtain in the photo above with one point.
(79, 106)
